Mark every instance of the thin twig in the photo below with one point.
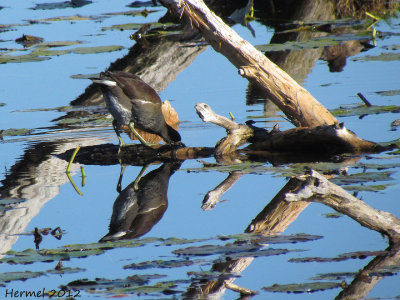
(367, 103)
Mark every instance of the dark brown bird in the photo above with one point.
(135, 104)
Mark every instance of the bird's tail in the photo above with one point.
(173, 135)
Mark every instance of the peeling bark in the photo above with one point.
(297, 104)
(317, 188)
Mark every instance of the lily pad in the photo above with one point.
(65, 18)
(60, 5)
(30, 256)
(58, 44)
(362, 110)
(79, 50)
(143, 12)
(4, 59)
(385, 56)
(129, 26)
(163, 264)
(24, 275)
(334, 276)
(272, 239)
(367, 188)
(231, 250)
(67, 252)
(341, 257)
(334, 215)
(389, 93)
(136, 284)
(176, 241)
(15, 132)
(302, 287)
(313, 43)
(211, 275)
(363, 178)
(99, 49)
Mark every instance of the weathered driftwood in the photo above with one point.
(213, 197)
(298, 104)
(317, 188)
(374, 272)
(330, 139)
(280, 213)
(272, 220)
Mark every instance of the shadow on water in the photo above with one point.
(143, 202)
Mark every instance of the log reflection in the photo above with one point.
(286, 206)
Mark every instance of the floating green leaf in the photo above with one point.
(163, 264)
(60, 5)
(136, 284)
(367, 188)
(58, 44)
(4, 59)
(382, 57)
(129, 26)
(334, 276)
(231, 250)
(67, 252)
(99, 49)
(361, 110)
(389, 93)
(15, 132)
(334, 215)
(24, 275)
(260, 239)
(143, 12)
(14, 276)
(341, 257)
(176, 241)
(302, 287)
(363, 178)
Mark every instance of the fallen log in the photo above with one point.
(316, 188)
(296, 102)
(326, 139)
(302, 109)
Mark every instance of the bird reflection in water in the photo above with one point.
(141, 204)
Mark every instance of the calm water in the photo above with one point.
(33, 175)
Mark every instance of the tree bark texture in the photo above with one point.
(317, 188)
(298, 105)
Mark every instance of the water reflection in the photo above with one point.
(141, 204)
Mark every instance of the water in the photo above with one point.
(49, 200)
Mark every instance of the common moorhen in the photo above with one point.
(134, 103)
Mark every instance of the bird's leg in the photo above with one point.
(121, 173)
(136, 182)
(121, 142)
(132, 128)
